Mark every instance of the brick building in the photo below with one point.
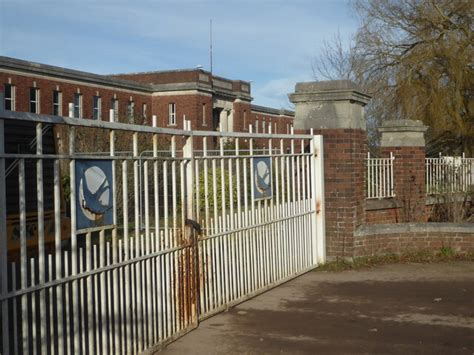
(208, 101)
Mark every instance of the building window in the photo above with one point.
(245, 120)
(144, 112)
(287, 128)
(114, 105)
(172, 114)
(204, 123)
(77, 105)
(264, 126)
(97, 108)
(34, 100)
(57, 103)
(256, 125)
(130, 111)
(9, 90)
(274, 127)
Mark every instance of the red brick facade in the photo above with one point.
(402, 240)
(409, 182)
(23, 83)
(344, 170)
(194, 93)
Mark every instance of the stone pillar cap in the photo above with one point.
(331, 90)
(402, 133)
(402, 126)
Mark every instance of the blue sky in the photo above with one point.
(269, 42)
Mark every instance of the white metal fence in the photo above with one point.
(449, 174)
(206, 244)
(380, 177)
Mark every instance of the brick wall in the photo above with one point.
(240, 108)
(344, 169)
(389, 238)
(182, 76)
(409, 181)
(387, 215)
(47, 86)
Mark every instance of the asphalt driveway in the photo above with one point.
(390, 309)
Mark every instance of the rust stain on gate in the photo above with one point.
(187, 284)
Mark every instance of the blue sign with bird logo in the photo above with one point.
(262, 179)
(94, 195)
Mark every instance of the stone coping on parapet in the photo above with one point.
(401, 228)
(393, 202)
(272, 111)
(403, 126)
(402, 133)
(333, 90)
(59, 72)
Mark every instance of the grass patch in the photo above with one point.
(424, 256)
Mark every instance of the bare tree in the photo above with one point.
(416, 58)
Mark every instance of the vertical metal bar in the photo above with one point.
(224, 238)
(174, 240)
(90, 313)
(277, 215)
(318, 199)
(23, 256)
(81, 299)
(209, 279)
(252, 207)
(240, 274)
(58, 256)
(51, 304)
(103, 295)
(188, 152)
(248, 261)
(181, 269)
(149, 315)
(97, 322)
(167, 246)
(33, 308)
(14, 311)
(216, 242)
(3, 236)
(72, 174)
(128, 310)
(108, 286)
(115, 327)
(231, 238)
(41, 258)
(392, 158)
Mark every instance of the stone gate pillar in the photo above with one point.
(335, 109)
(405, 139)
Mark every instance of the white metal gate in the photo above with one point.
(125, 288)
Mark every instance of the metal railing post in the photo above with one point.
(188, 153)
(317, 187)
(3, 236)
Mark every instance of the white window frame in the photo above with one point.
(36, 101)
(131, 111)
(264, 125)
(97, 111)
(204, 109)
(144, 111)
(256, 125)
(77, 106)
(114, 105)
(11, 98)
(59, 104)
(172, 114)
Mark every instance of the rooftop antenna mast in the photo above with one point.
(210, 43)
